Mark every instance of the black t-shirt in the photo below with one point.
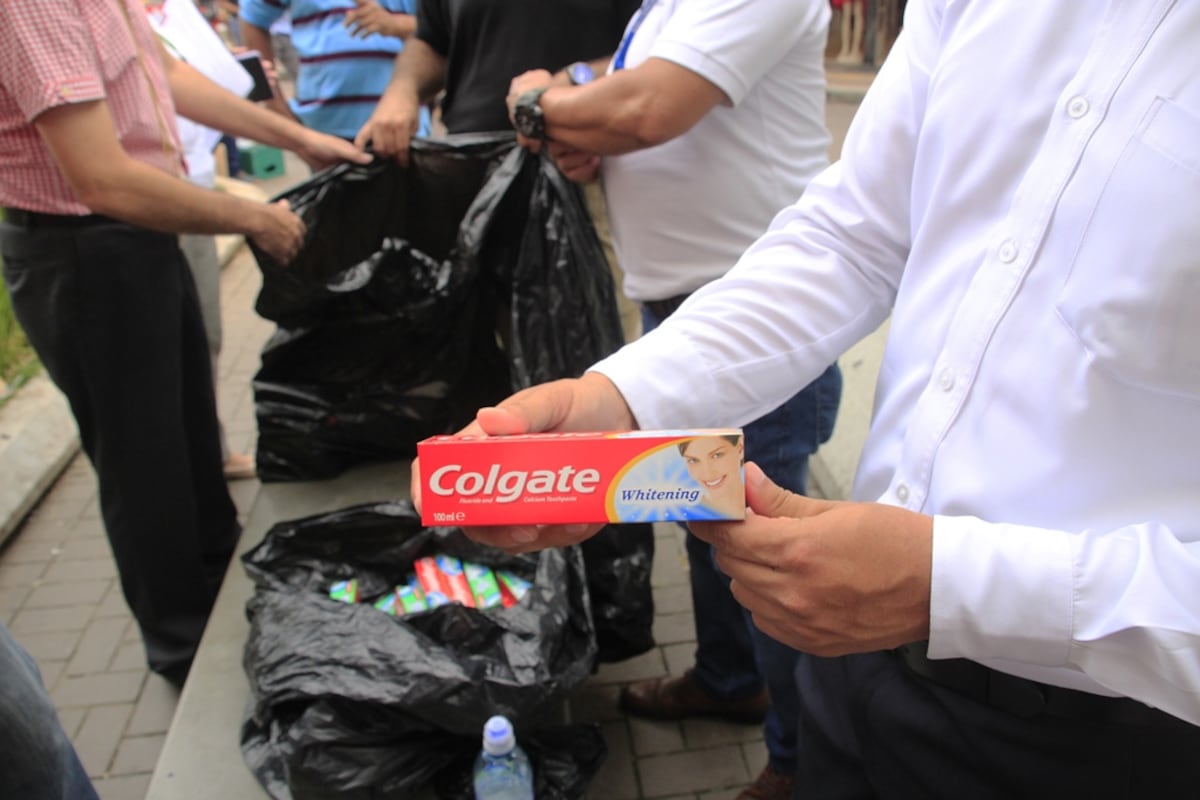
(487, 43)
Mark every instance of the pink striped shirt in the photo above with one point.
(54, 52)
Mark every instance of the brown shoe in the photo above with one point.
(676, 698)
(770, 785)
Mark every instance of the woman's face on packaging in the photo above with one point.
(714, 462)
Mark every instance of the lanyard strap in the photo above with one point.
(619, 58)
(173, 157)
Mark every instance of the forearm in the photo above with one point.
(628, 110)
(420, 73)
(201, 100)
(140, 194)
(597, 118)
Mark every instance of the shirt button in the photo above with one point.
(1008, 251)
(1077, 107)
(946, 379)
(902, 493)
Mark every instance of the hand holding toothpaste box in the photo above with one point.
(568, 478)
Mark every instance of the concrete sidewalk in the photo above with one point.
(60, 596)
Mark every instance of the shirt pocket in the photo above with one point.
(1132, 295)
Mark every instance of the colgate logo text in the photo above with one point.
(509, 486)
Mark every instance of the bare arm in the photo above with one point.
(629, 110)
(83, 142)
(419, 74)
(199, 99)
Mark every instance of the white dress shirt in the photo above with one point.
(1022, 186)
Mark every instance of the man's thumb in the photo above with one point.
(501, 421)
(767, 499)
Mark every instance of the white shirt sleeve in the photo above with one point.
(733, 43)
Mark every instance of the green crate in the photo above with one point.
(261, 161)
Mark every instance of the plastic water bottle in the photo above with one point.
(502, 770)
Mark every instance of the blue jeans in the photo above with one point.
(37, 760)
(733, 657)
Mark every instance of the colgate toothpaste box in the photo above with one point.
(565, 478)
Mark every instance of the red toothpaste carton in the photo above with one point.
(564, 478)
(512, 588)
(442, 579)
(432, 582)
(460, 588)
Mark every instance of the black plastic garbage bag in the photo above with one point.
(385, 369)
(618, 561)
(347, 701)
(531, 236)
(565, 758)
(383, 338)
(416, 289)
(350, 210)
(555, 284)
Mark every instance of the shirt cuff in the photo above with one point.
(83, 89)
(1000, 592)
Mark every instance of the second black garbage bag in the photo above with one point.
(422, 293)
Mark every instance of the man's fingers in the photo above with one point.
(414, 486)
(363, 138)
(532, 145)
(529, 538)
(500, 421)
(542, 408)
(767, 499)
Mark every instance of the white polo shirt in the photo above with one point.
(683, 212)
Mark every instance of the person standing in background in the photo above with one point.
(91, 184)
(343, 56)
(466, 52)
(179, 24)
